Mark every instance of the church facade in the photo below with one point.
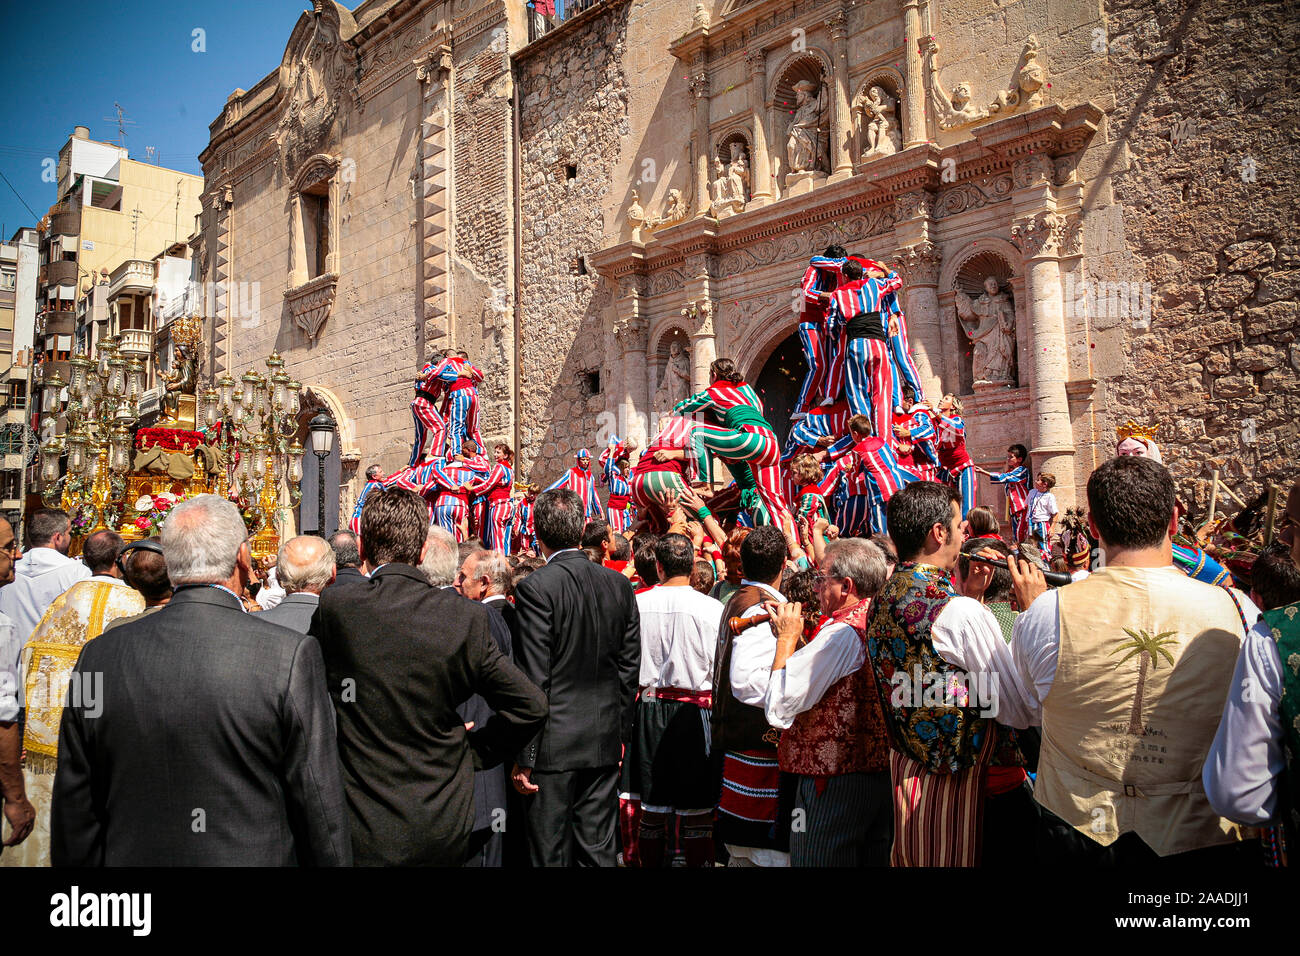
(597, 208)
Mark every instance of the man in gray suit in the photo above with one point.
(200, 735)
(306, 566)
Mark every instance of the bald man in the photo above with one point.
(305, 565)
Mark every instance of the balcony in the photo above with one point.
(136, 343)
(65, 220)
(60, 323)
(134, 276)
(61, 272)
(540, 24)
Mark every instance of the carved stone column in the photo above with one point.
(699, 313)
(760, 162)
(919, 265)
(700, 136)
(630, 331)
(1039, 238)
(841, 119)
(914, 95)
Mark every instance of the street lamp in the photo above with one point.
(322, 443)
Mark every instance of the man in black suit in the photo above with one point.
(580, 641)
(400, 657)
(200, 735)
(347, 559)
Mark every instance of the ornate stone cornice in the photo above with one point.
(1038, 236)
(1036, 169)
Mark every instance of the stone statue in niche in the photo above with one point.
(719, 184)
(676, 383)
(738, 175)
(990, 323)
(879, 124)
(674, 210)
(804, 137)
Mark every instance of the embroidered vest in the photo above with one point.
(923, 705)
(1284, 624)
(844, 732)
(1145, 661)
(737, 726)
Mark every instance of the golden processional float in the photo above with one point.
(237, 440)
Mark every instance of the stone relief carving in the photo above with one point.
(313, 83)
(804, 244)
(912, 205)
(920, 263)
(990, 323)
(1072, 237)
(1032, 170)
(968, 195)
(808, 135)
(877, 115)
(701, 18)
(1038, 235)
(731, 187)
(675, 210)
(1024, 93)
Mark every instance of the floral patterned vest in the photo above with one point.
(944, 738)
(844, 732)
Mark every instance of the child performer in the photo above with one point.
(1041, 507)
(950, 445)
(1016, 478)
(495, 530)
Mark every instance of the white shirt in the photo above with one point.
(553, 555)
(1246, 760)
(40, 575)
(1042, 506)
(679, 637)
(270, 593)
(10, 648)
(834, 652)
(1036, 642)
(752, 653)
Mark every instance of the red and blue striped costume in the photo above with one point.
(521, 525)
(618, 506)
(450, 498)
(1017, 482)
(884, 477)
(957, 468)
(460, 407)
(868, 372)
(744, 436)
(412, 478)
(355, 524)
(656, 485)
(823, 421)
(920, 427)
(496, 485)
(822, 275)
(582, 483)
(851, 495)
(429, 422)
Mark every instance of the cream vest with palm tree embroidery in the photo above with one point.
(1145, 660)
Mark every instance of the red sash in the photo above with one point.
(619, 502)
(460, 384)
(499, 494)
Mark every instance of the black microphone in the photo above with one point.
(1055, 578)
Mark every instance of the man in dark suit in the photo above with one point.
(347, 559)
(580, 641)
(400, 657)
(304, 566)
(200, 735)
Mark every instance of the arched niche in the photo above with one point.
(812, 65)
(658, 363)
(728, 143)
(890, 82)
(966, 272)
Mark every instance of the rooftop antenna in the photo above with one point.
(148, 153)
(122, 124)
(136, 213)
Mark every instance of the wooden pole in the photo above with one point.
(1270, 514)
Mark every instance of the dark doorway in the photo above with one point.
(778, 384)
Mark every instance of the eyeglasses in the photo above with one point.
(11, 548)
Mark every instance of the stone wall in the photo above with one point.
(1207, 108)
(574, 113)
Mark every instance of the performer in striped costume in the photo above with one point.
(429, 423)
(496, 486)
(665, 469)
(916, 426)
(413, 478)
(521, 521)
(447, 487)
(822, 275)
(460, 407)
(810, 503)
(884, 475)
(950, 445)
(868, 371)
(582, 482)
(614, 472)
(1016, 479)
(744, 436)
(823, 425)
(373, 480)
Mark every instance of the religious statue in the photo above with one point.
(990, 323)
(701, 18)
(803, 141)
(179, 382)
(1026, 87)
(719, 184)
(738, 175)
(676, 384)
(880, 136)
(674, 210)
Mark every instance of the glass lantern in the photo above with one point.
(119, 456)
(294, 394)
(249, 380)
(259, 396)
(50, 453)
(278, 382)
(107, 352)
(295, 463)
(210, 407)
(135, 379)
(53, 390)
(259, 458)
(81, 367)
(77, 442)
(117, 377)
(225, 386)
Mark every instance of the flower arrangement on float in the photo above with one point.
(152, 511)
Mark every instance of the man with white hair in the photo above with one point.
(306, 567)
(486, 577)
(230, 758)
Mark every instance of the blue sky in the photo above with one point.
(66, 64)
